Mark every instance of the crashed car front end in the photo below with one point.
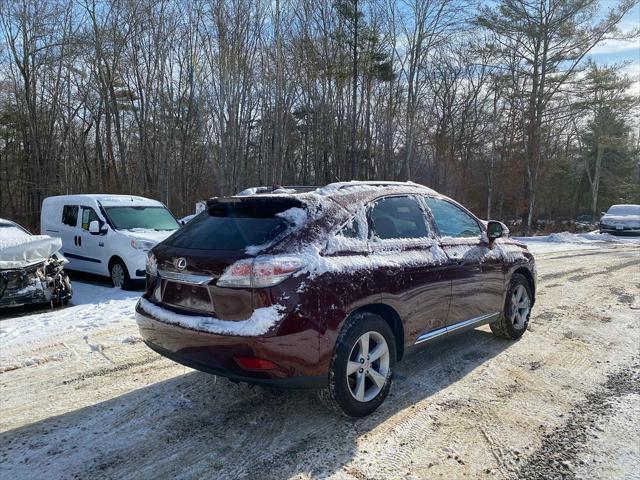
(32, 272)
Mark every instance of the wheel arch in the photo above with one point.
(389, 315)
(112, 260)
(525, 272)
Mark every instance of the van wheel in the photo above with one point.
(361, 369)
(517, 309)
(119, 275)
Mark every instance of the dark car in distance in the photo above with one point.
(328, 288)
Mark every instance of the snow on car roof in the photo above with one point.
(357, 185)
(336, 188)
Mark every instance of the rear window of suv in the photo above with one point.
(233, 226)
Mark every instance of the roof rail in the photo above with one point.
(379, 184)
(278, 189)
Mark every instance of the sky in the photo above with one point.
(618, 51)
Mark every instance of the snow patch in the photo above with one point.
(574, 241)
(259, 323)
(296, 217)
(357, 186)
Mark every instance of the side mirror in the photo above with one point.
(495, 230)
(94, 227)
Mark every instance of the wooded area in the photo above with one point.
(495, 106)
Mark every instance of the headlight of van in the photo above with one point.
(144, 245)
(152, 264)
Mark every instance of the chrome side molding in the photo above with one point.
(189, 278)
(438, 332)
(471, 323)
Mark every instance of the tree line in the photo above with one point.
(495, 105)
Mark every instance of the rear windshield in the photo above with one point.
(624, 210)
(232, 227)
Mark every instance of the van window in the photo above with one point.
(70, 215)
(88, 216)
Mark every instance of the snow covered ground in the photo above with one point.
(83, 397)
(92, 306)
(565, 241)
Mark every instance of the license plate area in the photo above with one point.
(183, 295)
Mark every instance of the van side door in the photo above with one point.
(91, 248)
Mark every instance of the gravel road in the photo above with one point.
(563, 402)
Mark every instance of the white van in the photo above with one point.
(107, 234)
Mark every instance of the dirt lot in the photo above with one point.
(563, 402)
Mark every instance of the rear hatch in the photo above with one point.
(192, 260)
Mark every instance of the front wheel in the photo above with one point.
(517, 309)
(119, 275)
(362, 366)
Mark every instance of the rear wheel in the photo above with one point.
(362, 366)
(517, 309)
(119, 274)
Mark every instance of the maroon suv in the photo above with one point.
(328, 288)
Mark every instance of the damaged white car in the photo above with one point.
(31, 269)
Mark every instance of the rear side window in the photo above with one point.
(88, 216)
(350, 229)
(233, 226)
(451, 220)
(70, 215)
(397, 217)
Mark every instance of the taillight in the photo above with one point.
(260, 272)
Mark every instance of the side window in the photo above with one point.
(451, 221)
(88, 216)
(397, 217)
(70, 215)
(350, 230)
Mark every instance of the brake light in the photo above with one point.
(259, 272)
(254, 363)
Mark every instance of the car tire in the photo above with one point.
(358, 384)
(517, 309)
(119, 275)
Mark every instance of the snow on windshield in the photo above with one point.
(296, 217)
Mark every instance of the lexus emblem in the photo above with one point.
(180, 263)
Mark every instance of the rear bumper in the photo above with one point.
(296, 355)
(315, 382)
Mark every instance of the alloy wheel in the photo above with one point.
(368, 366)
(520, 306)
(117, 275)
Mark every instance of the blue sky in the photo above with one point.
(616, 51)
